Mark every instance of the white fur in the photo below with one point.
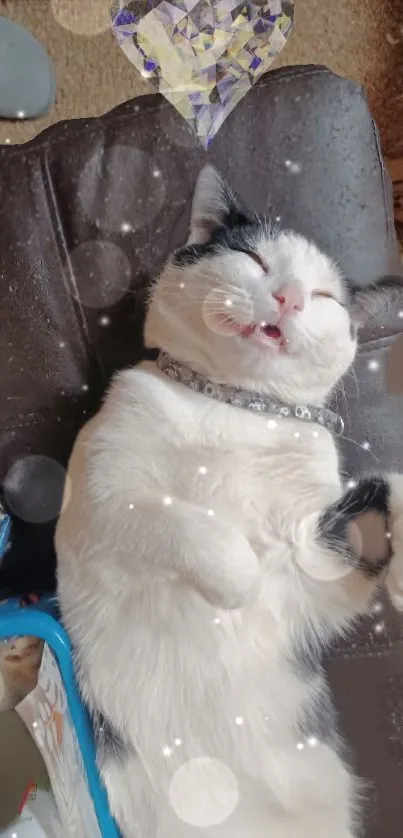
(189, 568)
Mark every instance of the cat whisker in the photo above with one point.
(360, 445)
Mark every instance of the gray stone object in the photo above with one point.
(27, 77)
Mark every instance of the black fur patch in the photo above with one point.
(109, 741)
(236, 237)
(370, 494)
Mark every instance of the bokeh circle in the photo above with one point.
(36, 488)
(102, 273)
(123, 190)
(322, 565)
(83, 17)
(204, 792)
(220, 303)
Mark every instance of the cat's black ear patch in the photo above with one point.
(216, 205)
(368, 301)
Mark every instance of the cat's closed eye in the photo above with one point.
(327, 295)
(324, 294)
(259, 261)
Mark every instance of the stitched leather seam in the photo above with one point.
(64, 257)
(366, 651)
(26, 424)
(38, 420)
(37, 142)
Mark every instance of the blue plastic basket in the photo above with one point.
(42, 620)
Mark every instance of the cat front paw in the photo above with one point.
(394, 580)
(232, 576)
(235, 594)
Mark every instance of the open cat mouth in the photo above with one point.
(264, 334)
(262, 330)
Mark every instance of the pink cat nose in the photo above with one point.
(290, 297)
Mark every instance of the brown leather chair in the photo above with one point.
(89, 211)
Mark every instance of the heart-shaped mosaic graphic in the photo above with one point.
(202, 55)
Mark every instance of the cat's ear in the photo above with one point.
(215, 205)
(367, 302)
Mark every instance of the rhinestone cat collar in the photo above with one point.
(247, 399)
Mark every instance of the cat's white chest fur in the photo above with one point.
(250, 468)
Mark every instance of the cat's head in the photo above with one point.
(252, 306)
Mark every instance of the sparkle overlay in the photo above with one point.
(202, 55)
(248, 400)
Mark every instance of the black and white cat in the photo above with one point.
(208, 551)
